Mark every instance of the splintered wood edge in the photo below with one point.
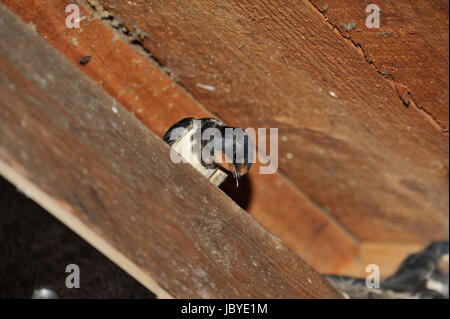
(184, 149)
(63, 212)
(218, 177)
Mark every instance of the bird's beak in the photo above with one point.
(236, 176)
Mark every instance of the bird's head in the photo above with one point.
(232, 151)
(236, 155)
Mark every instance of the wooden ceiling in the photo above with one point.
(363, 177)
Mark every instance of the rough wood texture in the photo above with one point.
(350, 143)
(92, 164)
(410, 47)
(285, 55)
(159, 102)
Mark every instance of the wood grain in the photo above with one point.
(410, 47)
(155, 98)
(350, 145)
(310, 229)
(97, 166)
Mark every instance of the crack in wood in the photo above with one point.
(402, 95)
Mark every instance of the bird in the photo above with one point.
(424, 275)
(423, 272)
(231, 153)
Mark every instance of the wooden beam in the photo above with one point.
(349, 142)
(274, 200)
(388, 256)
(156, 99)
(77, 152)
(410, 47)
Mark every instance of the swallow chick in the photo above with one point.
(425, 272)
(218, 146)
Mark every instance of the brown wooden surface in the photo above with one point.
(364, 167)
(378, 166)
(386, 255)
(92, 164)
(410, 47)
(159, 102)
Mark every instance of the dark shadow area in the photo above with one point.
(242, 195)
(35, 249)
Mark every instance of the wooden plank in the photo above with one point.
(388, 256)
(350, 144)
(154, 98)
(87, 160)
(410, 47)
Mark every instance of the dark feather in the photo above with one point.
(413, 274)
(184, 123)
